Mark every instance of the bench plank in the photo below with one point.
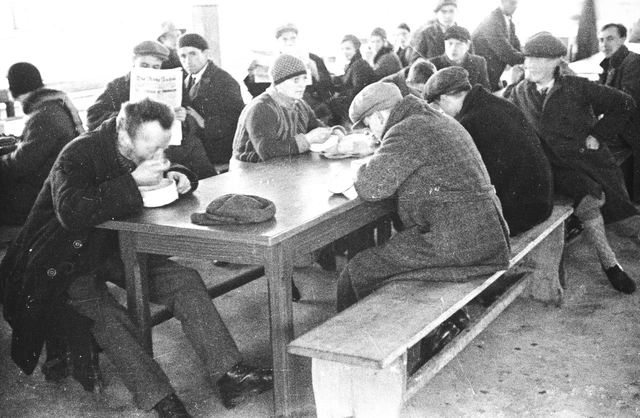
(376, 331)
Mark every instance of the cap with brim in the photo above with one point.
(544, 45)
(457, 32)
(445, 81)
(374, 97)
(153, 48)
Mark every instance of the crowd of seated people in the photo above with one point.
(470, 163)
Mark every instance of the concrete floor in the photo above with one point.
(579, 360)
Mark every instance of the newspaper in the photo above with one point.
(162, 85)
(263, 60)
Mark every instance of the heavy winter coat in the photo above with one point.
(497, 45)
(385, 63)
(454, 227)
(511, 151)
(190, 152)
(573, 109)
(474, 64)
(273, 125)
(52, 122)
(88, 184)
(427, 41)
(217, 98)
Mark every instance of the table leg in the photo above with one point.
(278, 268)
(135, 268)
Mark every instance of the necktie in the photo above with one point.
(190, 83)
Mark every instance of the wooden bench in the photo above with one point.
(361, 357)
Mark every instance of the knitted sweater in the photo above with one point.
(273, 125)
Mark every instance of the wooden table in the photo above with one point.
(307, 217)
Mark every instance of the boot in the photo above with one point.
(243, 380)
(171, 407)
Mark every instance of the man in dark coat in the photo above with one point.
(428, 41)
(510, 148)
(453, 225)
(621, 70)
(190, 152)
(212, 96)
(61, 260)
(575, 118)
(495, 39)
(52, 121)
(457, 42)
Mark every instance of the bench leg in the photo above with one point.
(546, 265)
(345, 391)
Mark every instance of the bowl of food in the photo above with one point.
(159, 194)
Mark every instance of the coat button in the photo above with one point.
(52, 272)
(581, 150)
(77, 244)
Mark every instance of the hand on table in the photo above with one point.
(592, 143)
(182, 181)
(318, 135)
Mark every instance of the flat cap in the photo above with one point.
(441, 3)
(193, 40)
(374, 97)
(446, 81)
(544, 45)
(151, 48)
(457, 32)
(287, 27)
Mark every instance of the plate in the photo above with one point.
(339, 156)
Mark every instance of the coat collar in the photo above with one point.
(616, 59)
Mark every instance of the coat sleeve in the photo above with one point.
(221, 121)
(46, 132)
(361, 76)
(498, 43)
(324, 82)
(267, 139)
(392, 163)
(612, 106)
(630, 79)
(483, 73)
(79, 202)
(108, 104)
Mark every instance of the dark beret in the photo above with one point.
(193, 40)
(457, 32)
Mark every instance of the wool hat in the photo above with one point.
(153, 48)
(354, 40)
(404, 26)
(374, 97)
(446, 81)
(441, 3)
(286, 67)
(23, 78)
(287, 27)
(236, 209)
(379, 32)
(193, 40)
(457, 32)
(544, 45)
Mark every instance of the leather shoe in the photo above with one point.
(620, 280)
(243, 380)
(171, 407)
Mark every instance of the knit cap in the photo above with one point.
(23, 78)
(374, 97)
(153, 48)
(544, 45)
(236, 209)
(441, 3)
(193, 40)
(286, 67)
(446, 81)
